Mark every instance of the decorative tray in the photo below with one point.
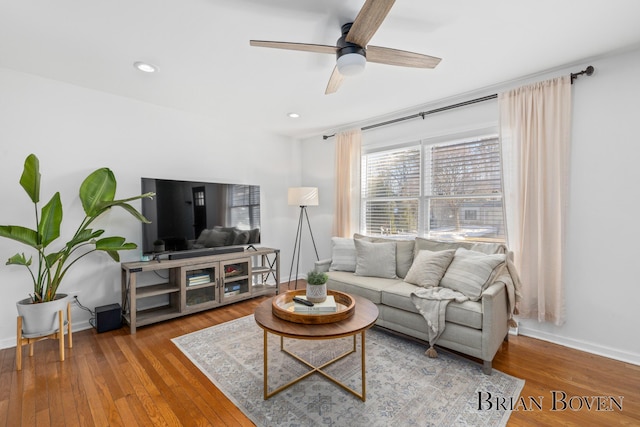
(282, 307)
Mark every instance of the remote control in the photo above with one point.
(303, 301)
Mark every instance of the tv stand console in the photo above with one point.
(195, 284)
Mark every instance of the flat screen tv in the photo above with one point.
(195, 217)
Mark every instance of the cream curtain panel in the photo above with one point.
(535, 124)
(348, 146)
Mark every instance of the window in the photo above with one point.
(391, 192)
(449, 191)
(198, 197)
(463, 191)
(244, 206)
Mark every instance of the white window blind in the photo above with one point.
(245, 206)
(391, 192)
(450, 191)
(463, 191)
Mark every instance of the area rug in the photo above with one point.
(403, 386)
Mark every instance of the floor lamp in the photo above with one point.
(303, 197)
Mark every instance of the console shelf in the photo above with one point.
(197, 284)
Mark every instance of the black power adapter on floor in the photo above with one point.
(108, 317)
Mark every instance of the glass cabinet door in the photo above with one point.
(201, 285)
(235, 278)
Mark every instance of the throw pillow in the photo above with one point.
(202, 238)
(254, 236)
(472, 272)
(404, 252)
(429, 267)
(240, 237)
(343, 254)
(216, 238)
(375, 259)
(229, 231)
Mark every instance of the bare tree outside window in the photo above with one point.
(391, 192)
(464, 191)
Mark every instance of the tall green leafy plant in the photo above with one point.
(97, 194)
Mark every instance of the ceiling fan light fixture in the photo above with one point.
(351, 64)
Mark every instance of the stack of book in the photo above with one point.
(231, 290)
(198, 279)
(327, 306)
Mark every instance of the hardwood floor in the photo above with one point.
(117, 379)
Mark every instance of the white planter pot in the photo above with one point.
(316, 293)
(42, 318)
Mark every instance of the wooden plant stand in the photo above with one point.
(59, 335)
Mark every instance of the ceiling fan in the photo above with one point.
(351, 49)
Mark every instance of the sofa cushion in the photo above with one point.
(468, 313)
(217, 238)
(436, 245)
(429, 267)
(471, 272)
(343, 254)
(404, 251)
(366, 287)
(375, 259)
(489, 248)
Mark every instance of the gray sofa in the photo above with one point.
(473, 327)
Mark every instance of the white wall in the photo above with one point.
(602, 286)
(74, 131)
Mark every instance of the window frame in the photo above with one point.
(425, 200)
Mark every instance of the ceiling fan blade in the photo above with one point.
(368, 21)
(335, 81)
(306, 47)
(402, 58)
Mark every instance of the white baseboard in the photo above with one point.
(586, 346)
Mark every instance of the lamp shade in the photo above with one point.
(303, 196)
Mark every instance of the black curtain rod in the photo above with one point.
(588, 71)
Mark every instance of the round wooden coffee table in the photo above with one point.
(362, 319)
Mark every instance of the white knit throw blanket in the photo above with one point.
(432, 304)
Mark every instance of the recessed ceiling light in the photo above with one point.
(146, 67)
(293, 115)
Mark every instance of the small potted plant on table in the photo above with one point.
(316, 286)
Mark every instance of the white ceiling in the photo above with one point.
(207, 66)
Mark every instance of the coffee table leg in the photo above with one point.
(266, 368)
(364, 391)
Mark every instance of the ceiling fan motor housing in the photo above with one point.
(350, 57)
(345, 47)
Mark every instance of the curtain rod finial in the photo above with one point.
(588, 71)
